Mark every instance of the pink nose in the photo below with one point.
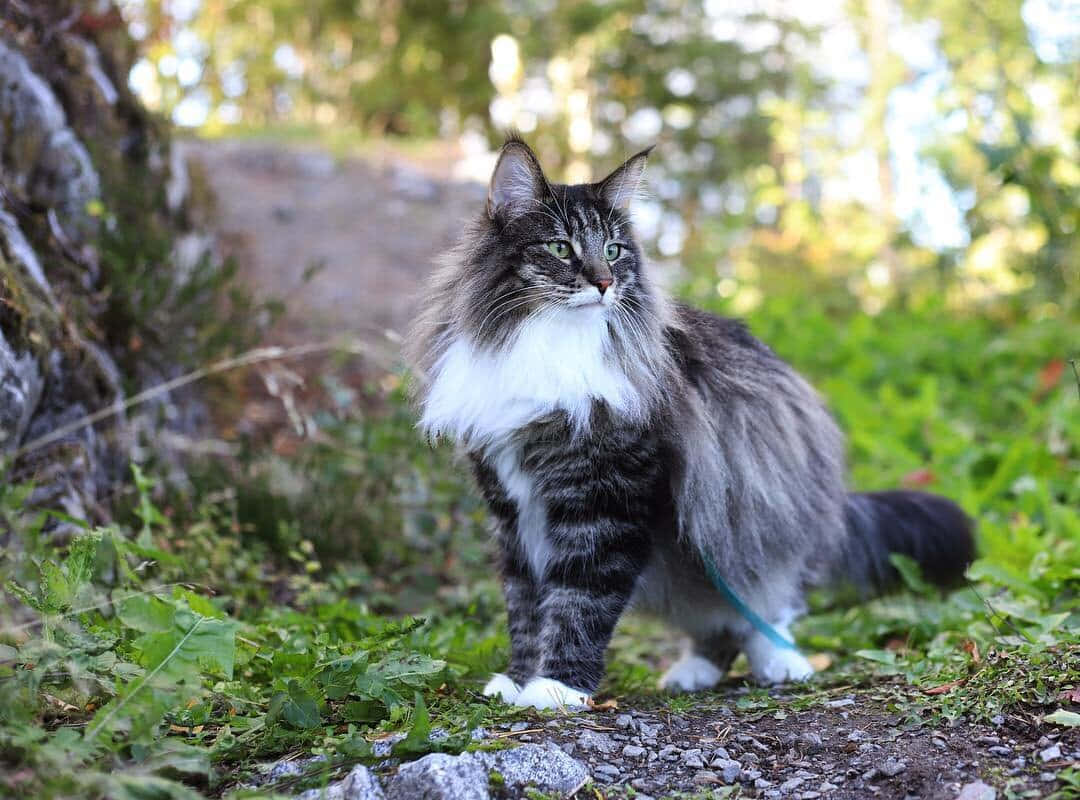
(602, 284)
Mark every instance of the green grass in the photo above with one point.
(239, 622)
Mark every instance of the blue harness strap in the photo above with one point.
(760, 625)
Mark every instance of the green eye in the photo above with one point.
(612, 250)
(558, 249)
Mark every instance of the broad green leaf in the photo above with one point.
(146, 613)
(299, 708)
(911, 573)
(1069, 719)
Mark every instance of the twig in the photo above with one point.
(256, 356)
(1076, 372)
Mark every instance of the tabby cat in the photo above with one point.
(627, 444)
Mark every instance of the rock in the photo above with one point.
(1052, 753)
(1000, 750)
(624, 721)
(729, 768)
(841, 703)
(441, 777)
(607, 772)
(692, 758)
(359, 784)
(892, 767)
(633, 751)
(669, 753)
(595, 740)
(977, 790)
(791, 784)
(706, 776)
(20, 391)
(544, 766)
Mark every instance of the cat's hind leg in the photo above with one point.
(704, 661)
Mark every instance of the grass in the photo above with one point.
(339, 600)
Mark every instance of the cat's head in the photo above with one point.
(554, 247)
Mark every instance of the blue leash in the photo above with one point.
(760, 625)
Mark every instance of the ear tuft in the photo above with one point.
(620, 187)
(517, 180)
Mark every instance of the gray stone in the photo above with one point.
(791, 784)
(633, 751)
(624, 721)
(730, 769)
(359, 784)
(607, 772)
(542, 765)
(841, 703)
(20, 390)
(692, 758)
(441, 777)
(977, 790)
(1052, 753)
(892, 767)
(598, 741)
(669, 753)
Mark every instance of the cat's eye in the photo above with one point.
(558, 249)
(612, 250)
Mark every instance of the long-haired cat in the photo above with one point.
(626, 444)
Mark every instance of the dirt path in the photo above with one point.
(364, 231)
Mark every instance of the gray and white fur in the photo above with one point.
(620, 438)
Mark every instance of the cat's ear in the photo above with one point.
(517, 180)
(621, 186)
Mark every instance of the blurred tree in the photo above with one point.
(785, 143)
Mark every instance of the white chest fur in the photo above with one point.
(481, 396)
(556, 361)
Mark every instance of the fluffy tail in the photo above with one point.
(930, 529)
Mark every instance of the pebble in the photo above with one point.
(1000, 750)
(706, 776)
(1052, 753)
(624, 721)
(762, 783)
(669, 753)
(827, 787)
(791, 784)
(843, 701)
(692, 758)
(519, 726)
(729, 768)
(1047, 777)
(608, 771)
(810, 795)
(721, 752)
(633, 751)
(892, 767)
(977, 791)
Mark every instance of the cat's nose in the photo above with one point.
(602, 284)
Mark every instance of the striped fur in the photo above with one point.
(617, 436)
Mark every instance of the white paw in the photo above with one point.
(771, 664)
(503, 687)
(691, 673)
(547, 693)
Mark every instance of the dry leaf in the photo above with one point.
(1070, 695)
(918, 477)
(1049, 376)
(945, 688)
(972, 650)
(607, 705)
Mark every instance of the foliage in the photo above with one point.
(180, 649)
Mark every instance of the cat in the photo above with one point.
(626, 444)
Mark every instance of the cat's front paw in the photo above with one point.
(503, 687)
(691, 673)
(545, 693)
(779, 666)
